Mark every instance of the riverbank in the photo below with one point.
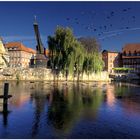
(43, 74)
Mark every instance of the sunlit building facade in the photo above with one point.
(111, 60)
(20, 55)
(4, 57)
(131, 57)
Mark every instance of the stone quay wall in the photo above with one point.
(42, 74)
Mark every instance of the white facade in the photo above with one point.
(4, 57)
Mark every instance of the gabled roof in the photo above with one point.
(131, 47)
(19, 47)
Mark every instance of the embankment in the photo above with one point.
(35, 74)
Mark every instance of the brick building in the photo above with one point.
(131, 57)
(111, 60)
(20, 55)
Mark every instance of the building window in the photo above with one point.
(135, 53)
(124, 53)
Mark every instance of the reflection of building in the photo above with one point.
(20, 94)
(131, 56)
(18, 100)
(4, 58)
(20, 55)
(110, 95)
(111, 60)
(131, 105)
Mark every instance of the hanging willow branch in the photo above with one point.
(70, 56)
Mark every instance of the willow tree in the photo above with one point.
(79, 54)
(90, 44)
(93, 60)
(72, 57)
(51, 45)
(88, 65)
(66, 53)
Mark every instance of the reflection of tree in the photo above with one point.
(69, 104)
(92, 100)
(121, 91)
(59, 112)
(39, 101)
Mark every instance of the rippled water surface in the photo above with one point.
(71, 110)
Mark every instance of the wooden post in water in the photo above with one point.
(5, 103)
(5, 98)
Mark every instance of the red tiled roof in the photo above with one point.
(19, 47)
(131, 47)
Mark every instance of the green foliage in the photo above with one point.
(70, 56)
(17, 77)
(90, 44)
(122, 69)
(70, 103)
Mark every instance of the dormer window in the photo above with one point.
(14, 48)
(10, 48)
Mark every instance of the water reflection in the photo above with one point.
(58, 108)
(110, 96)
(4, 105)
(20, 92)
(130, 98)
(5, 113)
(39, 101)
(66, 105)
(70, 104)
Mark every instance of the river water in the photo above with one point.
(71, 110)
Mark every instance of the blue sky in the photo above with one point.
(113, 24)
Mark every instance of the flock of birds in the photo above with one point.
(102, 24)
(108, 29)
